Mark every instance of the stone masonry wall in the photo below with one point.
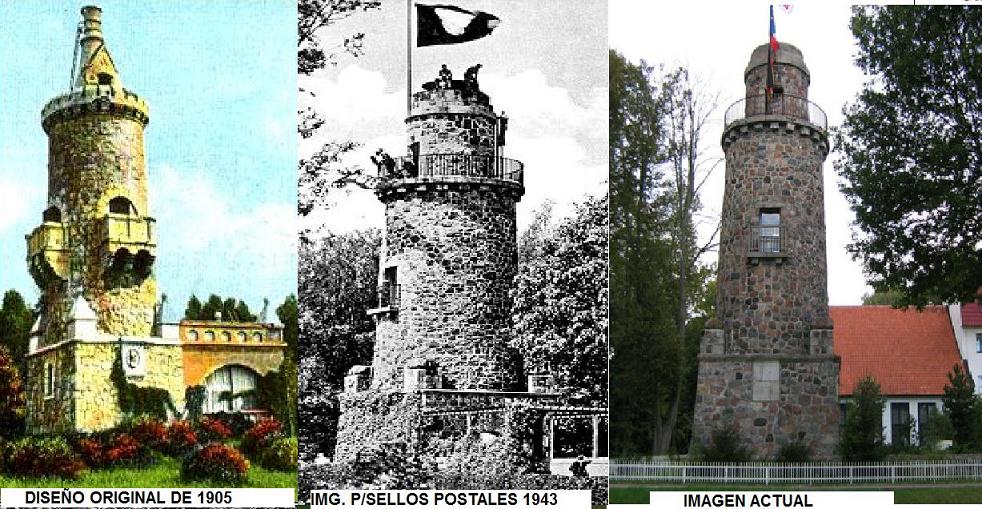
(807, 408)
(371, 417)
(770, 306)
(455, 255)
(53, 414)
(97, 404)
(92, 158)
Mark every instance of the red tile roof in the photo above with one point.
(971, 315)
(908, 352)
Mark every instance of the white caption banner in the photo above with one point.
(447, 499)
(147, 497)
(764, 499)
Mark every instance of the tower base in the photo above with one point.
(770, 400)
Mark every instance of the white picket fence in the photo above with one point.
(661, 470)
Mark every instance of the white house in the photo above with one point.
(908, 352)
(966, 320)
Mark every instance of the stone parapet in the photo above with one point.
(95, 99)
(774, 124)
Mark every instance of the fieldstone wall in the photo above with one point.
(446, 121)
(370, 418)
(766, 365)
(768, 304)
(455, 255)
(806, 408)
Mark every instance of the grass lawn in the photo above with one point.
(950, 493)
(166, 473)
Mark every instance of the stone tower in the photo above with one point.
(766, 365)
(448, 263)
(450, 254)
(93, 254)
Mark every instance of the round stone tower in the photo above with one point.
(766, 363)
(450, 255)
(97, 236)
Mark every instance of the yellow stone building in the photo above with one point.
(99, 335)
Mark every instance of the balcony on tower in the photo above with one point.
(452, 168)
(48, 255)
(776, 90)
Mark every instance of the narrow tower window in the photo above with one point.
(770, 230)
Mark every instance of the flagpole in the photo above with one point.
(409, 56)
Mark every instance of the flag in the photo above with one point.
(774, 45)
(770, 60)
(447, 24)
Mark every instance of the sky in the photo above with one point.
(715, 40)
(220, 79)
(545, 66)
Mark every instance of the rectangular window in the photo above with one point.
(389, 293)
(925, 412)
(770, 230)
(978, 342)
(49, 380)
(900, 423)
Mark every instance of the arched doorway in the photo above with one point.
(230, 389)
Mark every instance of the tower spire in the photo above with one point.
(95, 65)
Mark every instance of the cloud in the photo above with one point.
(204, 221)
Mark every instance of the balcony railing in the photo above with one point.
(121, 230)
(779, 104)
(454, 165)
(767, 239)
(389, 296)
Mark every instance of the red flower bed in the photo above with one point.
(42, 457)
(151, 432)
(216, 463)
(181, 437)
(118, 449)
(212, 429)
(260, 435)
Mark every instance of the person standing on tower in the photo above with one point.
(446, 77)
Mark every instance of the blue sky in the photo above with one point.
(220, 78)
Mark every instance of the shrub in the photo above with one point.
(280, 454)
(216, 463)
(11, 395)
(150, 431)
(260, 435)
(238, 422)
(862, 435)
(181, 438)
(114, 450)
(794, 452)
(724, 445)
(211, 429)
(42, 457)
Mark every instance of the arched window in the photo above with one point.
(51, 214)
(121, 205)
(230, 389)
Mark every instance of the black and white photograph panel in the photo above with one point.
(453, 250)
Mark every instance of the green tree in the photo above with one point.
(193, 309)
(862, 436)
(910, 149)
(961, 407)
(12, 404)
(287, 313)
(560, 303)
(656, 170)
(16, 320)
